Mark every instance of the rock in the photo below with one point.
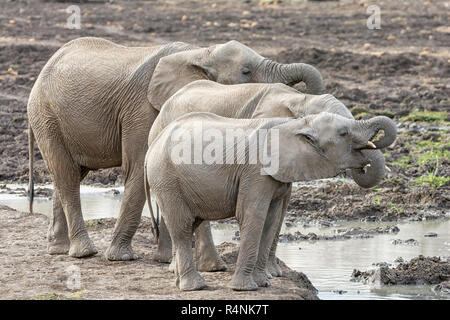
(418, 271)
(430, 234)
(399, 260)
(391, 37)
(410, 242)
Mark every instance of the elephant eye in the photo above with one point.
(246, 71)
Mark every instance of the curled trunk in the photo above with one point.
(369, 129)
(370, 176)
(294, 73)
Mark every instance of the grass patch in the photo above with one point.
(91, 223)
(404, 162)
(432, 180)
(47, 296)
(425, 116)
(76, 295)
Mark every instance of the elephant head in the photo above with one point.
(302, 105)
(322, 145)
(228, 63)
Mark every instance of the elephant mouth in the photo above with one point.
(368, 145)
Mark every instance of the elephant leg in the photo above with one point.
(134, 147)
(206, 255)
(251, 216)
(272, 266)
(164, 253)
(66, 178)
(181, 230)
(58, 235)
(269, 232)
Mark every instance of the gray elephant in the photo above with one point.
(92, 107)
(253, 100)
(189, 172)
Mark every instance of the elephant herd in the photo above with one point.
(97, 105)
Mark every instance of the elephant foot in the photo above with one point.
(55, 248)
(163, 255)
(243, 283)
(191, 281)
(211, 264)
(120, 253)
(273, 268)
(261, 278)
(82, 247)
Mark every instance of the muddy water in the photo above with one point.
(328, 264)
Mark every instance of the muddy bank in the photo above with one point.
(418, 271)
(341, 234)
(28, 272)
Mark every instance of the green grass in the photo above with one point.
(426, 116)
(432, 180)
(91, 223)
(76, 295)
(47, 296)
(404, 162)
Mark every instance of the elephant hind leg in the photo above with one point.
(66, 178)
(181, 229)
(207, 257)
(58, 235)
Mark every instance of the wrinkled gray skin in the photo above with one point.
(313, 147)
(249, 101)
(92, 107)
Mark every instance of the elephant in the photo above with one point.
(193, 187)
(251, 100)
(93, 104)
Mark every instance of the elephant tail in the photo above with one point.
(155, 222)
(30, 168)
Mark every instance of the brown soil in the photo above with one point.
(402, 66)
(27, 271)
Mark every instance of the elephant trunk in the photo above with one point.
(368, 129)
(372, 175)
(294, 73)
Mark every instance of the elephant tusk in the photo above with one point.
(388, 169)
(371, 145)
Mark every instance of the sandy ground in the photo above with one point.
(27, 271)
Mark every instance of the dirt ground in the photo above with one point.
(401, 70)
(28, 272)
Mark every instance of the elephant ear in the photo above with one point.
(175, 71)
(279, 100)
(294, 154)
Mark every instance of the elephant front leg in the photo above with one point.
(251, 219)
(271, 225)
(207, 257)
(272, 266)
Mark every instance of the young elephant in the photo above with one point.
(195, 176)
(252, 100)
